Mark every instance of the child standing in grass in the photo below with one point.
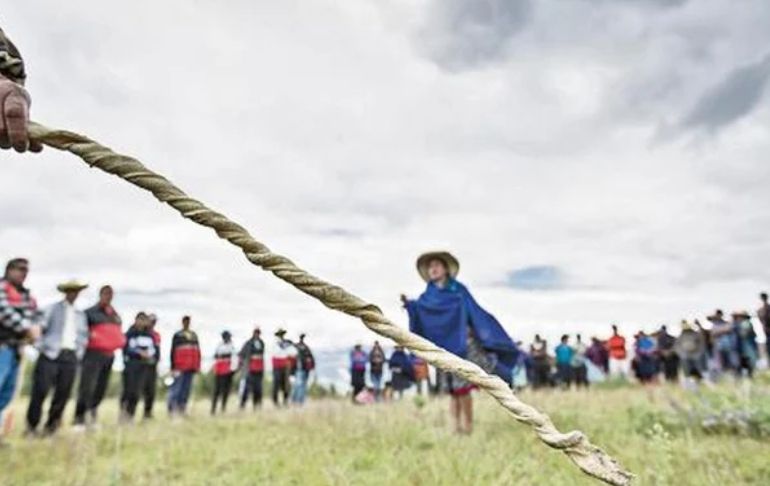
(447, 315)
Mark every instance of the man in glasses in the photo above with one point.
(18, 313)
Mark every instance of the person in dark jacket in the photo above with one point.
(185, 362)
(305, 364)
(61, 346)
(105, 337)
(139, 354)
(151, 383)
(669, 359)
(252, 360)
(400, 371)
(358, 360)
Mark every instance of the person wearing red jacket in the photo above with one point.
(104, 338)
(185, 362)
(224, 358)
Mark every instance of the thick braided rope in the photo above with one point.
(591, 459)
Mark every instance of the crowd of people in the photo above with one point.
(82, 344)
(76, 343)
(697, 353)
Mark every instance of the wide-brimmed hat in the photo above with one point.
(280, 332)
(71, 285)
(452, 265)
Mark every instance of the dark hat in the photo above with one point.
(280, 332)
(226, 334)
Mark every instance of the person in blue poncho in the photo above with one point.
(448, 315)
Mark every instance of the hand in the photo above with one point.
(34, 332)
(14, 117)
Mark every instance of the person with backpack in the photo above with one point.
(305, 364)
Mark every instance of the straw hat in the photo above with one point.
(452, 265)
(71, 285)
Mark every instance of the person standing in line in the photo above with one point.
(646, 365)
(598, 355)
(105, 337)
(185, 362)
(725, 342)
(61, 346)
(763, 314)
(579, 367)
(691, 349)
(541, 364)
(564, 354)
(748, 351)
(358, 361)
(224, 359)
(376, 366)
(305, 364)
(139, 355)
(400, 371)
(283, 358)
(151, 382)
(18, 316)
(420, 372)
(616, 347)
(669, 359)
(252, 359)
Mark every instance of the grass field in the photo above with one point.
(332, 442)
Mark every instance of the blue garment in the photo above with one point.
(444, 315)
(564, 354)
(179, 392)
(299, 391)
(9, 370)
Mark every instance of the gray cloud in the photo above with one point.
(731, 99)
(465, 34)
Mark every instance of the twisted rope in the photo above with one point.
(588, 457)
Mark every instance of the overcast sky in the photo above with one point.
(587, 161)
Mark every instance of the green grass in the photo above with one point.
(335, 443)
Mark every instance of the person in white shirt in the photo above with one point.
(225, 364)
(62, 345)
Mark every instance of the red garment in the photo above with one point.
(616, 345)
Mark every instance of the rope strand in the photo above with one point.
(588, 457)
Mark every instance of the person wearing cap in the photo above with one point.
(358, 360)
(448, 315)
(18, 317)
(252, 362)
(746, 343)
(104, 338)
(61, 345)
(725, 342)
(305, 364)
(151, 382)
(283, 362)
(185, 362)
(224, 369)
(139, 355)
